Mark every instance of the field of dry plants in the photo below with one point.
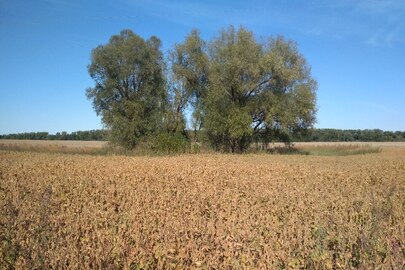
(62, 211)
(47, 146)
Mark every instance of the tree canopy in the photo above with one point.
(244, 86)
(129, 91)
(236, 87)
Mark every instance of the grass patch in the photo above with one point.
(284, 150)
(339, 150)
(319, 150)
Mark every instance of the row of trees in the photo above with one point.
(313, 135)
(233, 86)
(88, 135)
(350, 135)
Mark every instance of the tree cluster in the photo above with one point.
(233, 86)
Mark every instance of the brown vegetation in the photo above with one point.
(63, 211)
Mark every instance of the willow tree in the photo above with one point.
(129, 91)
(250, 88)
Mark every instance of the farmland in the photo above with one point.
(207, 211)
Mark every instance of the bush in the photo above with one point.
(166, 143)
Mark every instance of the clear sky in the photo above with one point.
(356, 49)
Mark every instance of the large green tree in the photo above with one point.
(246, 87)
(129, 91)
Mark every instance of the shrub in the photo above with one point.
(166, 143)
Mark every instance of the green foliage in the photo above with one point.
(170, 143)
(235, 85)
(129, 91)
(245, 86)
(229, 133)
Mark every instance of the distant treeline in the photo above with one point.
(88, 135)
(351, 135)
(314, 135)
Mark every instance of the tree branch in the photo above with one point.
(256, 88)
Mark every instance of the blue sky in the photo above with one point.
(356, 49)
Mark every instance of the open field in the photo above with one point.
(95, 144)
(202, 211)
(47, 146)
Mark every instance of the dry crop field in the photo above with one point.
(48, 146)
(206, 211)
